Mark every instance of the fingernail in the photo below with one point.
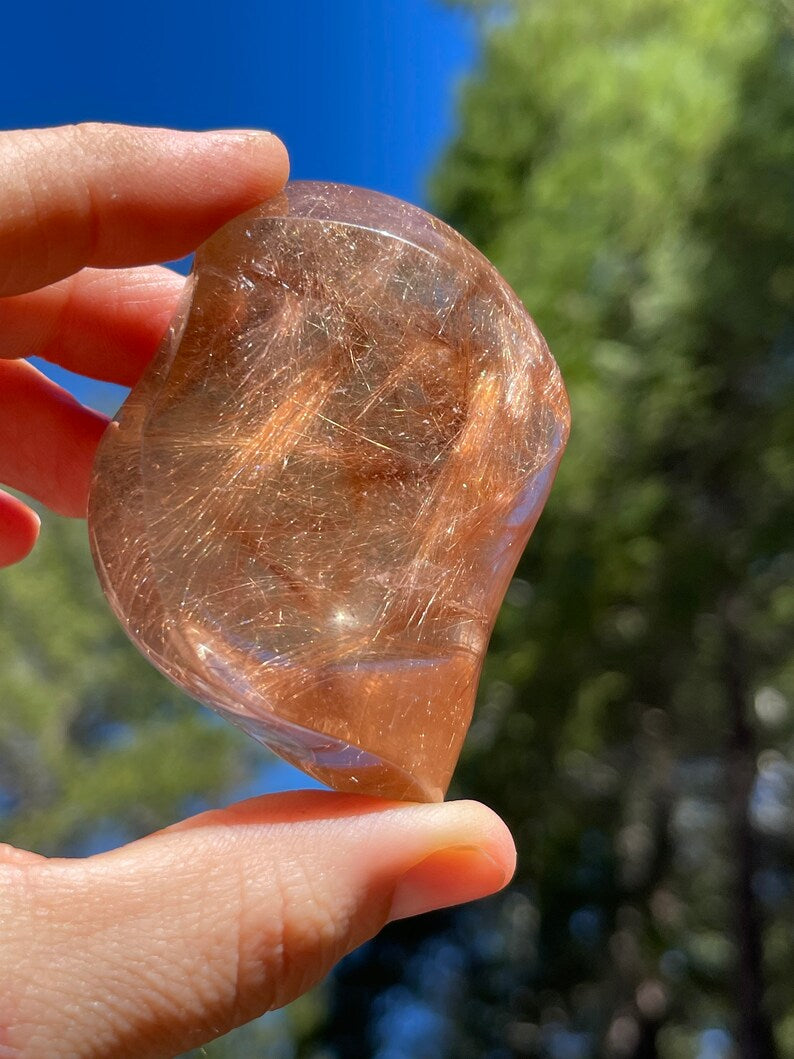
(447, 877)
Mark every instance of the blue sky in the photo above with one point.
(362, 91)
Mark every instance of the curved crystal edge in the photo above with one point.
(342, 766)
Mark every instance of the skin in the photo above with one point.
(170, 941)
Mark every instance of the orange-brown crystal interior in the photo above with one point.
(312, 503)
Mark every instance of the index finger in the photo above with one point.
(115, 195)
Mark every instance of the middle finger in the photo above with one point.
(102, 323)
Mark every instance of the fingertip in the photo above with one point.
(281, 163)
(270, 159)
(47, 441)
(447, 877)
(261, 159)
(19, 529)
(481, 826)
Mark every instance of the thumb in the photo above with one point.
(173, 940)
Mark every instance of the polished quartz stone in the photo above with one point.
(313, 502)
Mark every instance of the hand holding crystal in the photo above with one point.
(172, 940)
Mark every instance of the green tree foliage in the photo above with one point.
(629, 166)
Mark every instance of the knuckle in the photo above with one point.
(47, 194)
(305, 928)
(85, 135)
(300, 937)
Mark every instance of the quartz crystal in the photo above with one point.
(312, 503)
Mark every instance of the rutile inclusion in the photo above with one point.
(312, 503)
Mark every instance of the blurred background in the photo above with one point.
(629, 166)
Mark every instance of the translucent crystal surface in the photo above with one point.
(313, 502)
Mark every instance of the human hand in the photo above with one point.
(172, 940)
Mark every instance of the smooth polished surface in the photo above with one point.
(314, 500)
